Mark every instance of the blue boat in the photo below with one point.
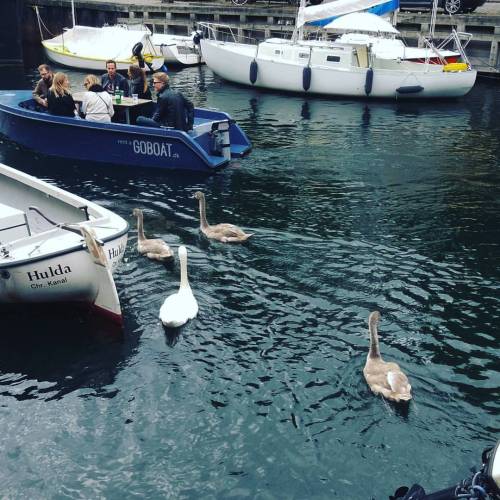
(214, 140)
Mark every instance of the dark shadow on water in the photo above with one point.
(305, 112)
(172, 335)
(67, 348)
(401, 409)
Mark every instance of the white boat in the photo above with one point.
(177, 49)
(85, 47)
(56, 247)
(365, 59)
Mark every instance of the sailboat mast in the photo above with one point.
(433, 19)
(73, 12)
(298, 34)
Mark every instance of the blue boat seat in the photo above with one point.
(32, 105)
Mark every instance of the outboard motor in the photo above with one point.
(485, 484)
(220, 143)
(197, 36)
(137, 52)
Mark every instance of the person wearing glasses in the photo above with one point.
(97, 105)
(172, 108)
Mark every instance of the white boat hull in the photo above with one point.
(232, 61)
(177, 49)
(57, 54)
(43, 263)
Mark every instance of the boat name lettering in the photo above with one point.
(152, 148)
(116, 251)
(48, 273)
(57, 282)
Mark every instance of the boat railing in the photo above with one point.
(225, 33)
(457, 39)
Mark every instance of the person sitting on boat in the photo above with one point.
(137, 83)
(97, 105)
(43, 85)
(138, 86)
(59, 99)
(172, 108)
(113, 81)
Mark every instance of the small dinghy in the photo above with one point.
(214, 140)
(56, 247)
(177, 49)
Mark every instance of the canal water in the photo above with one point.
(356, 206)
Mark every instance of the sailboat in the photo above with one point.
(357, 54)
(87, 47)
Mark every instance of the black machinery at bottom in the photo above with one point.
(483, 485)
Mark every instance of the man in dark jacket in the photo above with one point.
(42, 87)
(112, 80)
(172, 108)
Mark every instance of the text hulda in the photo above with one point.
(51, 272)
(152, 148)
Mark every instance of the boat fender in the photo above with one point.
(369, 81)
(410, 89)
(306, 78)
(253, 71)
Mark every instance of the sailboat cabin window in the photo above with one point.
(303, 54)
(277, 52)
(333, 58)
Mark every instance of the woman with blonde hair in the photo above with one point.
(59, 99)
(138, 83)
(97, 105)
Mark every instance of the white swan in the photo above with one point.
(384, 378)
(180, 307)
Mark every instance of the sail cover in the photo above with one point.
(108, 42)
(322, 14)
(362, 22)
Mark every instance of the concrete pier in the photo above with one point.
(257, 20)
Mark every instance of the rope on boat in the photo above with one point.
(41, 23)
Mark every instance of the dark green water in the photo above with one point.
(355, 206)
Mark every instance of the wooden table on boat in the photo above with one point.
(126, 103)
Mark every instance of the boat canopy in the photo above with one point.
(364, 22)
(108, 42)
(324, 13)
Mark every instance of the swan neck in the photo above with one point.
(203, 216)
(140, 228)
(374, 343)
(184, 275)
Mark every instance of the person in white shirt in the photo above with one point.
(97, 104)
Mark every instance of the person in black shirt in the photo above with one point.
(172, 108)
(137, 83)
(59, 100)
(113, 81)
